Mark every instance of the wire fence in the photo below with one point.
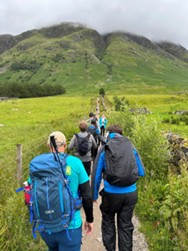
(14, 162)
(14, 165)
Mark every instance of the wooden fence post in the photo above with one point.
(19, 163)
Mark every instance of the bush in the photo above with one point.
(124, 119)
(153, 148)
(173, 211)
(166, 120)
(23, 90)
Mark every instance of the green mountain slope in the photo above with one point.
(83, 61)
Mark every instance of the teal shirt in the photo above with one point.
(77, 175)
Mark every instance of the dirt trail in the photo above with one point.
(94, 242)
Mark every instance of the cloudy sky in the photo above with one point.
(155, 19)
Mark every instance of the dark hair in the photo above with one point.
(115, 129)
(91, 114)
(93, 122)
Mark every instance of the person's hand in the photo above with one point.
(88, 227)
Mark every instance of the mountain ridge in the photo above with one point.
(80, 56)
(64, 29)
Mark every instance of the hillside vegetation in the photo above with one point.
(81, 59)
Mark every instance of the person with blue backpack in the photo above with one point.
(120, 165)
(59, 188)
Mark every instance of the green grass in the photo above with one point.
(22, 118)
(161, 106)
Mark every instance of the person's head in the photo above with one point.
(115, 129)
(93, 122)
(103, 116)
(83, 126)
(59, 139)
(91, 114)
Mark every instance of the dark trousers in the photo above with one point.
(94, 153)
(122, 206)
(87, 166)
(102, 130)
(60, 242)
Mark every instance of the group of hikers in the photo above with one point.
(61, 184)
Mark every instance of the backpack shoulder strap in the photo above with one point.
(88, 136)
(77, 136)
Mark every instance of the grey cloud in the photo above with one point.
(157, 20)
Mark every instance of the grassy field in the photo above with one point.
(29, 122)
(24, 121)
(21, 119)
(161, 108)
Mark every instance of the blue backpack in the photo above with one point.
(52, 204)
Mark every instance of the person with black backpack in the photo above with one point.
(120, 165)
(93, 129)
(59, 188)
(83, 142)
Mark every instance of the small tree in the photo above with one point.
(102, 92)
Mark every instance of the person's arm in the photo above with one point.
(72, 143)
(100, 122)
(141, 168)
(96, 176)
(97, 124)
(94, 143)
(97, 131)
(85, 193)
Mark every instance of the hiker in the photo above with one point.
(78, 181)
(103, 124)
(93, 129)
(91, 117)
(83, 142)
(120, 165)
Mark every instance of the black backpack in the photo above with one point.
(83, 144)
(121, 168)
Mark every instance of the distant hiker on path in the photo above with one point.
(120, 165)
(93, 129)
(91, 117)
(103, 124)
(58, 179)
(83, 142)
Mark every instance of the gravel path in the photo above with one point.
(94, 242)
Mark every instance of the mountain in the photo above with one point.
(174, 49)
(83, 61)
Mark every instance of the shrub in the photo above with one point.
(173, 210)
(153, 148)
